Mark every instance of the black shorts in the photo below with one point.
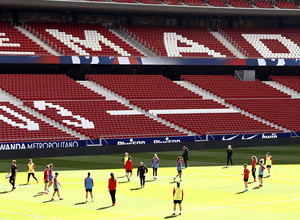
(253, 169)
(128, 171)
(89, 190)
(246, 179)
(261, 176)
(269, 166)
(46, 181)
(55, 190)
(177, 201)
(179, 171)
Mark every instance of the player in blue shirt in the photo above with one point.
(56, 185)
(261, 172)
(155, 165)
(89, 184)
(179, 168)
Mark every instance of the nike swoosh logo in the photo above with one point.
(249, 138)
(229, 139)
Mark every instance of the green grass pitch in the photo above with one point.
(210, 190)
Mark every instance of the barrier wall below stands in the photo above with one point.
(97, 150)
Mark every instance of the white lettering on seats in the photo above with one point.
(85, 123)
(2, 44)
(255, 41)
(29, 125)
(171, 39)
(92, 38)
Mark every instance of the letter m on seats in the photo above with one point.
(91, 41)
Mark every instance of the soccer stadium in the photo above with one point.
(150, 109)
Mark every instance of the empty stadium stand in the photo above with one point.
(104, 125)
(13, 42)
(152, 2)
(292, 82)
(267, 43)
(193, 2)
(216, 3)
(283, 112)
(82, 39)
(125, 1)
(255, 97)
(142, 86)
(285, 5)
(67, 102)
(45, 87)
(179, 41)
(239, 3)
(154, 94)
(262, 4)
(19, 126)
(228, 87)
(171, 2)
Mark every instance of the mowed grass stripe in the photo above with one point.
(208, 157)
(204, 187)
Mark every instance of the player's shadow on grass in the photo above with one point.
(3, 192)
(80, 203)
(118, 177)
(24, 184)
(136, 188)
(149, 180)
(257, 187)
(173, 182)
(170, 216)
(48, 201)
(105, 207)
(241, 192)
(124, 182)
(39, 194)
(266, 177)
(250, 183)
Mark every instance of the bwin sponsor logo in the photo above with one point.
(166, 141)
(273, 135)
(131, 142)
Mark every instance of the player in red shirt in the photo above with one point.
(112, 185)
(46, 178)
(246, 176)
(254, 161)
(128, 168)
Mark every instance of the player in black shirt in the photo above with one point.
(229, 155)
(185, 155)
(13, 172)
(142, 170)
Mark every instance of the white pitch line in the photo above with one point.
(17, 213)
(203, 209)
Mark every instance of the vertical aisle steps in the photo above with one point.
(209, 95)
(112, 96)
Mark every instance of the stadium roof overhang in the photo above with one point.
(80, 5)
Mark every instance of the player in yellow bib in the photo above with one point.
(269, 163)
(178, 197)
(30, 171)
